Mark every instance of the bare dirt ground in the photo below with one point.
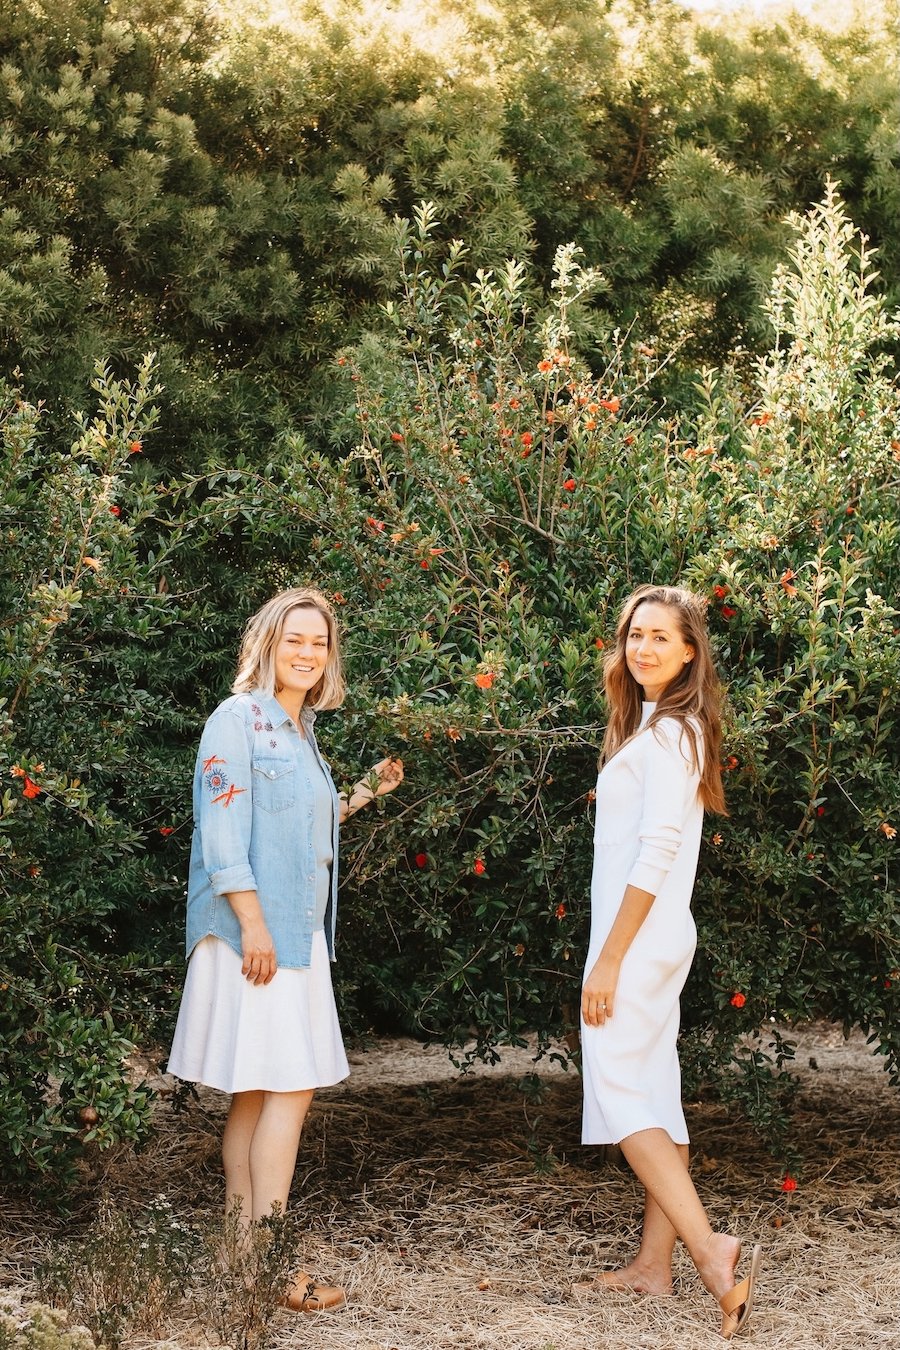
(459, 1214)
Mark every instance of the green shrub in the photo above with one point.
(85, 807)
(496, 506)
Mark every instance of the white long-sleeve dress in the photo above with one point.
(647, 833)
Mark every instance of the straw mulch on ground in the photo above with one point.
(459, 1214)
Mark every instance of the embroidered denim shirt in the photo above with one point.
(253, 828)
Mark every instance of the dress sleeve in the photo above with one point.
(670, 786)
(225, 795)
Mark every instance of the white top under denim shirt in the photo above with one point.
(255, 810)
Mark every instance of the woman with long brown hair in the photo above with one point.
(660, 770)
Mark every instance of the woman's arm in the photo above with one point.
(669, 788)
(387, 774)
(599, 991)
(257, 948)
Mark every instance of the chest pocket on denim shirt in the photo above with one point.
(274, 784)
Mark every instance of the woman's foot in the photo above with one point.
(716, 1264)
(637, 1277)
(306, 1295)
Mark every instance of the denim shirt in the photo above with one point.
(253, 828)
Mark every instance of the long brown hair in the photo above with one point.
(256, 658)
(694, 696)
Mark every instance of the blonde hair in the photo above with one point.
(694, 696)
(256, 658)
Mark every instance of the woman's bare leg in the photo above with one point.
(659, 1164)
(243, 1115)
(273, 1149)
(259, 1149)
(651, 1270)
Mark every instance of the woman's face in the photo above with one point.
(302, 651)
(655, 651)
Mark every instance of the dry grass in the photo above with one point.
(419, 1192)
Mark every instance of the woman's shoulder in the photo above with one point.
(678, 735)
(239, 706)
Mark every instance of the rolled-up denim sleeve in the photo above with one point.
(225, 796)
(670, 783)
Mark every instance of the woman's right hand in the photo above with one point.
(258, 950)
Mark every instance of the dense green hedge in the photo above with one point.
(495, 503)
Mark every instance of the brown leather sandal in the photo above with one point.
(737, 1304)
(307, 1296)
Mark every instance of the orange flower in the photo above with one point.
(720, 592)
(786, 579)
(166, 830)
(115, 510)
(454, 734)
(519, 949)
(591, 795)
(730, 763)
(590, 424)
(397, 436)
(887, 830)
(484, 679)
(135, 448)
(374, 524)
(31, 789)
(514, 404)
(610, 404)
(17, 771)
(339, 598)
(549, 415)
(544, 366)
(92, 563)
(738, 1000)
(478, 867)
(762, 420)
(727, 612)
(717, 839)
(527, 439)
(570, 485)
(789, 1184)
(599, 644)
(560, 911)
(342, 360)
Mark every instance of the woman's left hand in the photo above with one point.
(389, 773)
(599, 991)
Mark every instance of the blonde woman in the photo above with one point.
(258, 1017)
(661, 768)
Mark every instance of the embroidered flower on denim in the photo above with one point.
(274, 744)
(213, 777)
(257, 726)
(254, 707)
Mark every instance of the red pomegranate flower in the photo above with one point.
(478, 867)
(484, 679)
(738, 1000)
(789, 1184)
(421, 860)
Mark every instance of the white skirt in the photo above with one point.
(282, 1036)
